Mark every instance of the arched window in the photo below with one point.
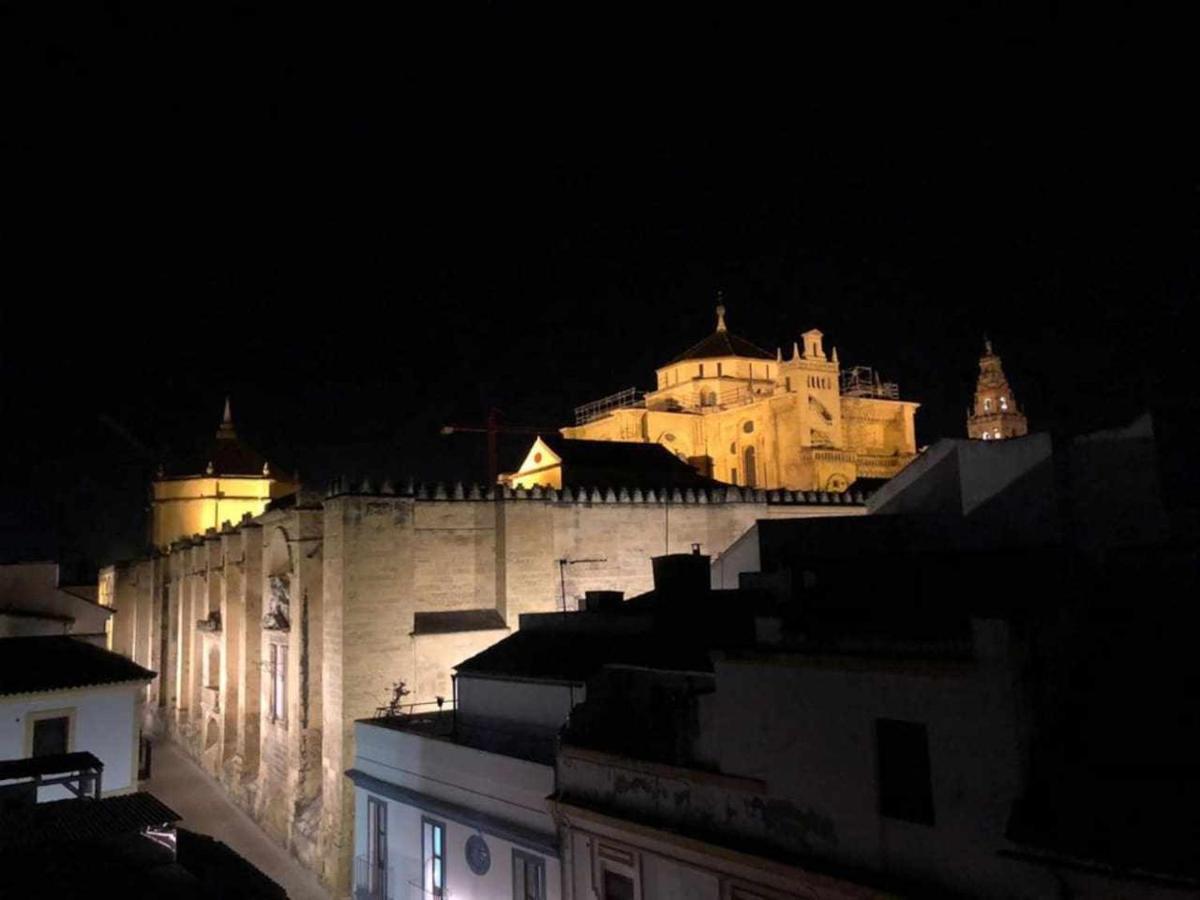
(1003, 404)
(987, 404)
(748, 464)
(986, 436)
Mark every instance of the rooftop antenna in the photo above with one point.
(562, 575)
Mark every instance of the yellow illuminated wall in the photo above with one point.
(188, 506)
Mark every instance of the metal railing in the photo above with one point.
(598, 409)
(863, 381)
(372, 882)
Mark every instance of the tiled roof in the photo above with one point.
(722, 343)
(457, 620)
(229, 457)
(82, 820)
(54, 663)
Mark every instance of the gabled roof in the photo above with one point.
(722, 343)
(622, 464)
(58, 662)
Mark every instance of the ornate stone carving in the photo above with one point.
(277, 616)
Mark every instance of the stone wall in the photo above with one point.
(338, 578)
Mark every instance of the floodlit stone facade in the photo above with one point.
(747, 417)
(274, 635)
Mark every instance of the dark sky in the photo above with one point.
(362, 228)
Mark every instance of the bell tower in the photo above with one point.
(995, 415)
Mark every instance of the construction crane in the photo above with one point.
(493, 429)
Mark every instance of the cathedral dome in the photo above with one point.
(721, 344)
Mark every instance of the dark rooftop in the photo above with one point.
(457, 620)
(622, 463)
(227, 455)
(58, 662)
(50, 764)
(561, 656)
(81, 820)
(722, 343)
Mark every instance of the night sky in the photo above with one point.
(361, 229)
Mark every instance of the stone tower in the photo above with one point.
(995, 415)
(221, 484)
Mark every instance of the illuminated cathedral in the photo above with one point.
(747, 417)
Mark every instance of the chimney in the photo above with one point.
(682, 574)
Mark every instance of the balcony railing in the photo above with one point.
(598, 409)
(372, 882)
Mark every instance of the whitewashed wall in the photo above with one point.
(105, 725)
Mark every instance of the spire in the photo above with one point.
(226, 432)
(778, 355)
(720, 311)
(835, 359)
(987, 346)
(795, 350)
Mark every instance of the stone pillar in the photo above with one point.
(250, 649)
(183, 632)
(337, 819)
(305, 662)
(125, 611)
(232, 625)
(159, 631)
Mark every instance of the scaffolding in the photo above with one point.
(863, 381)
(598, 409)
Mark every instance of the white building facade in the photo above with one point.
(59, 695)
(446, 809)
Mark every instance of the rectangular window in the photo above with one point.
(51, 736)
(529, 876)
(719, 373)
(701, 370)
(905, 788)
(433, 856)
(377, 853)
(788, 383)
(278, 704)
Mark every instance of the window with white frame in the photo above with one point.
(433, 857)
(529, 876)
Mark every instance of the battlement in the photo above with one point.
(462, 492)
(458, 491)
